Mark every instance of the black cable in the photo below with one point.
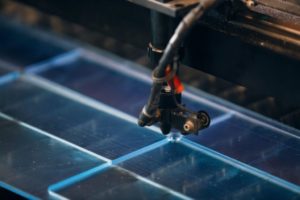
(182, 29)
(159, 73)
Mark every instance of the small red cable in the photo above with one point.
(178, 86)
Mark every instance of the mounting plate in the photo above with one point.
(172, 8)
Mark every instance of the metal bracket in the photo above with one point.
(172, 8)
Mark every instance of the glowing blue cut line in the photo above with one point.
(52, 189)
(17, 191)
(54, 195)
(74, 179)
(53, 62)
(140, 151)
(77, 178)
(242, 166)
(220, 119)
(65, 142)
(157, 185)
(9, 77)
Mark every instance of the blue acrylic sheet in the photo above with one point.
(201, 176)
(95, 130)
(68, 130)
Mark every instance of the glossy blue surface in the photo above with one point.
(3, 71)
(229, 133)
(100, 132)
(32, 161)
(201, 176)
(64, 143)
(21, 46)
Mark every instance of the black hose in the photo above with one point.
(182, 29)
(159, 73)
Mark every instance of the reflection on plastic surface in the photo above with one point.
(3, 71)
(262, 147)
(114, 183)
(97, 131)
(22, 47)
(112, 87)
(200, 176)
(31, 161)
(7, 75)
